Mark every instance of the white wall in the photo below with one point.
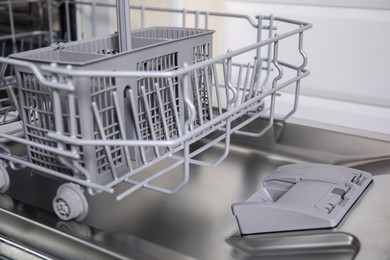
(347, 49)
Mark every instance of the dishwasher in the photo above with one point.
(148, 144)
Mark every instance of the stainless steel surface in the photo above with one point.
(197, 222)
(298, 245)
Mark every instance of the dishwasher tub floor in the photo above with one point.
(198, 222)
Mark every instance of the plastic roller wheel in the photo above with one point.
(70, 202)
(4, 179)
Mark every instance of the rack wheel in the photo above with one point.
(70, 202)
(4, 179)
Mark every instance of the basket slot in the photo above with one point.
(151, 121)
(164, 104)
(173, 96)
(158, 101)
(109, 152)
(106, 125)
(137, 125)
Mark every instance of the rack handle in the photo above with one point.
(123, 23)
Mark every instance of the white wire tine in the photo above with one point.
(119, 117)
(149, 118)
(134, 110)
(103, 136)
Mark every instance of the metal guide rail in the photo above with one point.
(94, 123)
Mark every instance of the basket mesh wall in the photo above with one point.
(102, 90)
(38, 107)
(166, 62)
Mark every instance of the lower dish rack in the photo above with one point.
(97, 117)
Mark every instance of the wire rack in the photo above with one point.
(144, 114)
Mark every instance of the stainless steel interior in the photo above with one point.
(197, 222)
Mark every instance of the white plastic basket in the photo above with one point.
(139, 100)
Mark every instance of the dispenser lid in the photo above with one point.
(300, 197)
